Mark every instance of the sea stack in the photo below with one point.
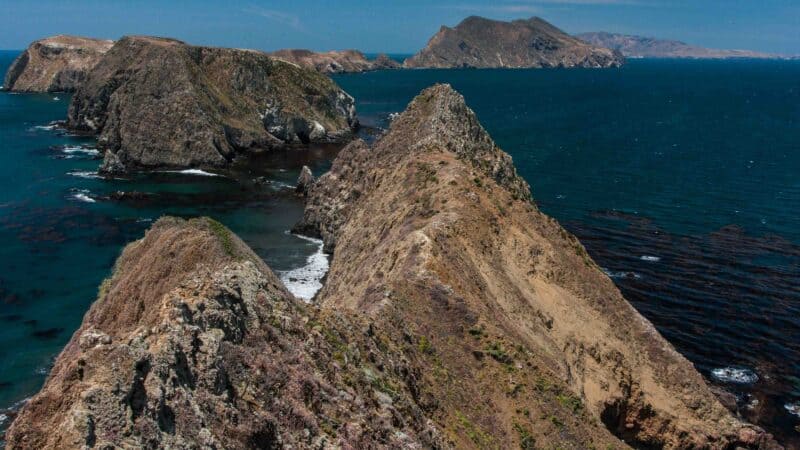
(156, 102)
(478, 42)
(345, 61)
(455, 315)
(55, 64)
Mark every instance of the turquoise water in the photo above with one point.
(681, 178)
(690, 164)
(61, 230)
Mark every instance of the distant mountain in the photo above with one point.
(528, 43)
(647, 47)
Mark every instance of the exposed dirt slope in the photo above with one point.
(344, 61)
(524, 336)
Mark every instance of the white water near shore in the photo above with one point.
(304, 282)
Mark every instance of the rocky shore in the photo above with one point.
(156, 102)
(455, 315)
(345, 61)
(55, 64)
(478, 42)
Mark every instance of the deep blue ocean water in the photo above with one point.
(680, 177)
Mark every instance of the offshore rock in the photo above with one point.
(157, 102)
(527, 43)
(55, 64)
(304, 181)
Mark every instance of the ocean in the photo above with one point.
(680, 177)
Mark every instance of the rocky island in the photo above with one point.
(477, 42)
(647, 47)
(55, 64)
(345, 61)
(156, 102)
(455, 315)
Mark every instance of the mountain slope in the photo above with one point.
(483, 43)
(646, 47)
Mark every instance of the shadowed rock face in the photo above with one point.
(55, 64)
(433, 234)
(639, 46)
(533, 43)
(162, 103)
(345, 61)
(455, 315)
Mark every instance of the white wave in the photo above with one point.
(193, 172)
(622, 274)
(649, 258)
(84, 174)
(42, 371)
(393, 116)
(71, 149)
(793, 408)
(55, 99)
(83, 196)
(304, 282)
(144, 220)
(3, 419)
(48, 127)
(735, 375)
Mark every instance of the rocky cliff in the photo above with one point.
(647, 47)
(455, 315)
(533, 43)
(345, 61)
(157, 102)
(55, 64)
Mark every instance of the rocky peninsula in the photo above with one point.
(455, 315)
(156, 102)
(648, 47)
(55, 64)
(478, 42)
(344, 61)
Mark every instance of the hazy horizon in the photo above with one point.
(385, 26)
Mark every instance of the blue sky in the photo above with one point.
(397, 26)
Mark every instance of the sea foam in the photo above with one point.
(304, 282)
(193, 172)
(793, 408)
(735, 375)
(82, 195)
(649, 258)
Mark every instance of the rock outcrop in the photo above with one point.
(194, 343)
(477, 42)
(304, 181)
(647, 47)
(455, 315)
(157, 102)
(527, 342)
(55, 64)
(345, 61)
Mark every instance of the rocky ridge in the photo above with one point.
(647, 47)
(55, 64)
(344, 61)
(156, 102)
(478, 42)
(455, 315)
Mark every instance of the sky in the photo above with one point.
(400, 26)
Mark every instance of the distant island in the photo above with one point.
(647, 47)
(478, 42)
(342, 61)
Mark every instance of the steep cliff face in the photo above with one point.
(647, 47)
(533, 43)
(345, 61)
(194, 343)
(55, 64)
(433, 234)
(159, 102)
